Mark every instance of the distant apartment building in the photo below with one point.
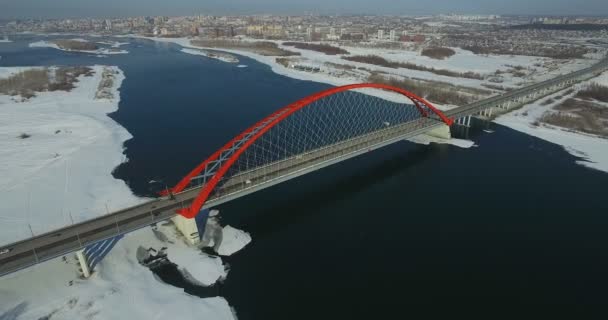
(164, 32)
(380, 34)
(275, 30)
(460, 17)
(332, 34)
(309, 32)
(354, 34)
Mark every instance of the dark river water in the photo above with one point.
(513, 225)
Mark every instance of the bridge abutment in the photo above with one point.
(195, 230)
(188, 228)
(442, 132)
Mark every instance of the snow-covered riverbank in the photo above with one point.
(322, 78)
(121, 288)
(593, 149)
(510, 71)
(221, 56)
(59, 173)
(268, 60)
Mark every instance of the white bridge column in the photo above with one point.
(188, 228)
(442, 132)
(84, 265)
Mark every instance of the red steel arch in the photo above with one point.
(285, 112)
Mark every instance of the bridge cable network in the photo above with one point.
(319, 121)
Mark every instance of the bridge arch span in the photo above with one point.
(321, 120)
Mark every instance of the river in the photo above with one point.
(511, 224)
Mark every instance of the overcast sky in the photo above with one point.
(109, 8)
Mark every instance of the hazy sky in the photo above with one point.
(101, 8)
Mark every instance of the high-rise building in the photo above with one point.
(392, 35)
(380, 34)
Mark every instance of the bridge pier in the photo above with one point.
(443, 132)
(486, 112)
(84, 265)
(464, 121)
(194, 229)
(92, 254)
(188, 228)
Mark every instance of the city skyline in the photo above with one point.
(114, 8)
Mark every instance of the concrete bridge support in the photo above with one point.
(188, 228)
(486, 112)
(92, 254)
(464, 121)
(84, 265)
(442, 132)
(200, 230)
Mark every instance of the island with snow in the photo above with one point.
(221, 56)
(80, 45)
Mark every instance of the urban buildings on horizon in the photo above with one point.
(305, 27)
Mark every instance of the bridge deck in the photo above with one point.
(71, 238)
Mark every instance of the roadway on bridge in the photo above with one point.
(71, 238)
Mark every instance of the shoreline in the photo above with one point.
(223, 57)
(62, 173)
(591, 148)
(574, 143)
(76, 183)
(100, 51)
(267, 60)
